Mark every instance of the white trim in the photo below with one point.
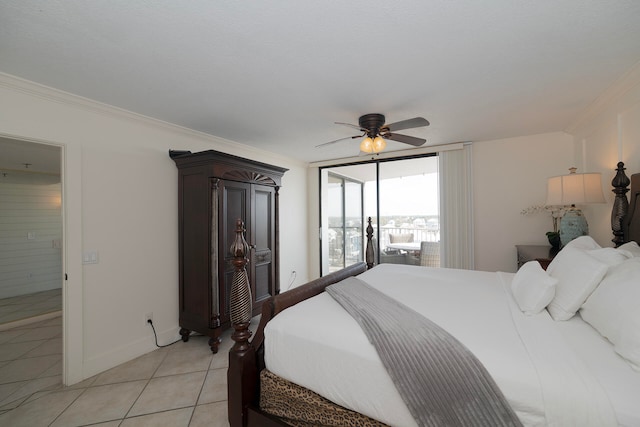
(55, 95)
(72, 327)
(30, 320)
(116, 356)
(389, 155)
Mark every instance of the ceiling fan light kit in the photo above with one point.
(376, 132)
(375, 145)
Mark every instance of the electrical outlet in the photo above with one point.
(147, 317)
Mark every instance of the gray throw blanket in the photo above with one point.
(440, 380)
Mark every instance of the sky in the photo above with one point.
(410, 195)
(415, 195)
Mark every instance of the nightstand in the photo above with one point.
(541, 253)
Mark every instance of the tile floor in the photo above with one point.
(180, 385)
(25, 306)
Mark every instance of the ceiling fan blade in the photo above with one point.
(338, 140)
(416, 122)
(351, 126)
(411, 140)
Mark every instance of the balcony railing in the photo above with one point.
(419, 234)
(353, 250)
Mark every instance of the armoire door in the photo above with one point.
(263, 231)
(235, 202)
(255, 205)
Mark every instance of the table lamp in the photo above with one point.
(574, 189)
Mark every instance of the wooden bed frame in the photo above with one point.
(246, 358)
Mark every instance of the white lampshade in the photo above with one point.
(575, 189)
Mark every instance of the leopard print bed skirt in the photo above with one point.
(300, 407)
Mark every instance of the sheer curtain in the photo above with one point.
(456, 208)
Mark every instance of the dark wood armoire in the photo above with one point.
(214, 190)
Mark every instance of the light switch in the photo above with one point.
(90, 257)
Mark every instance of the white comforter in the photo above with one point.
(318, 345)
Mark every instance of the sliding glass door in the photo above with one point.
(343, 222)
(409, 214)
(400, 196)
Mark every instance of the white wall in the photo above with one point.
(121, 200)
(510, 175)
(603, 144)
(30, 237)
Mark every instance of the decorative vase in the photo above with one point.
(572, 225)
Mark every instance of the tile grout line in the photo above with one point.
(201, 388)
(69, 405)
(146, 385)
(29, 381)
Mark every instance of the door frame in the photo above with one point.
(71, 278)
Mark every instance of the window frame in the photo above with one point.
(376, 162)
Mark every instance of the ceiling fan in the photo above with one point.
(376, 131)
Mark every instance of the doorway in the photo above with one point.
(344, 219)
(31, 231)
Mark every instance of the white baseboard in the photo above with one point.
(29, 320)
(120, 355)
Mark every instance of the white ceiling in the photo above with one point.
(23, 162)
(277, 74)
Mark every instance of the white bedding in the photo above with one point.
(619, 380)
(528, 356)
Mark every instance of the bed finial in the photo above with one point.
(240, 299)
(241, 355)
(369, 250)
(620, 204)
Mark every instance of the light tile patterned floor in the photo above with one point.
(181, 385)
(29, 305)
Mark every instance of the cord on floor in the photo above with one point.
(150, 322)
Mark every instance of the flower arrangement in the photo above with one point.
(556, 212)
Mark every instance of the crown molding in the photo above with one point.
(609, 97)
(34, 89)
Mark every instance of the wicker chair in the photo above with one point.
(430, 254)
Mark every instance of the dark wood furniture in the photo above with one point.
(625, 213)
(246, 358)
(544, 254)
(214, 191)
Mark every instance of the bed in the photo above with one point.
(581, 370)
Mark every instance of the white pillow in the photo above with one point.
(583, 242)
(610, 256)
(578, 274)
(613, 311)
(533, 289)
(631, 247)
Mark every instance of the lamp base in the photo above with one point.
(573, 224)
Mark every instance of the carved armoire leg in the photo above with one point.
(184, 333)
(214, 343)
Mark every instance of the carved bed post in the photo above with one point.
(369, 253)
(620, 204)
(242, 355)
